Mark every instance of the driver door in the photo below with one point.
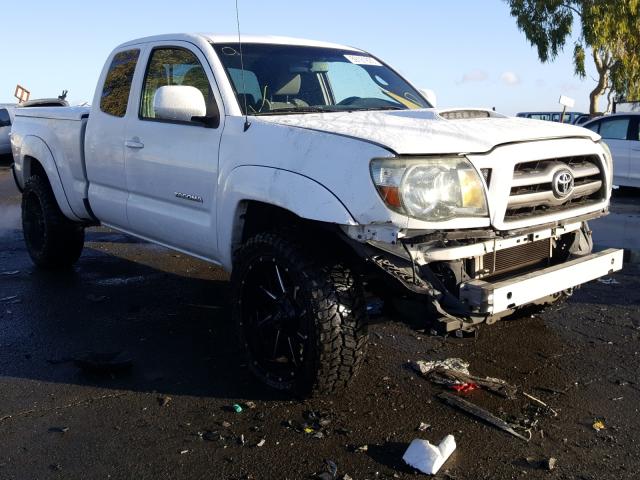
(172, 166)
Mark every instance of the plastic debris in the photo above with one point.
(10, 273)
(423, 427)
(164, 401)
(11, 299)
(454, 372)
(182, 452)
(428, 458)
(237, 408)
(250, 405)
(261, 443)
(598, 425)
(362, 448)
(609, 281)
(478, 412)
(465, 387)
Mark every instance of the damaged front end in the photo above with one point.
(470, 277)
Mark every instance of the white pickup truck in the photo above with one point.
(314, 172)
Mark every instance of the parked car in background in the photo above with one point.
(569, 117)
(6, 119)
(621, 133)
(580, 119)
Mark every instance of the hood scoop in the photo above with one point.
(465, 114)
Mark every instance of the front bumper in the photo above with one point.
(492, 298)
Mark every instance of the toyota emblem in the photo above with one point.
(562, 183)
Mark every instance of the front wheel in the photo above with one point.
(53, 241)
(301, 321)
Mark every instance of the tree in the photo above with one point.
(609, 31)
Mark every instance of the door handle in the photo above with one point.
(134, 143)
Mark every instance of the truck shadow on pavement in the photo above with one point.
(167, 314)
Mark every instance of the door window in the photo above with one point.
(117, 85)
(615, 128)
(595, 126)
(173, 66)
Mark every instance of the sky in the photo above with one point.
(469, 52)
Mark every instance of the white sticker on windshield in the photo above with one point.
(363, 60)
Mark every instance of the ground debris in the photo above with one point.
(164, 401)
(59, 429)
(544, 464)
(478, 412)
(454, 373)
(428, 458)
(599, 425)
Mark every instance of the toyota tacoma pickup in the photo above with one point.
(315, 174)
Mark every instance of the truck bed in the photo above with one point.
(59, 131)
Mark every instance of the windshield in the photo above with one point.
(280, 79)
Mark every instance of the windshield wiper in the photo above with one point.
(309, 109)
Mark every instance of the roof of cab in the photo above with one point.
(231, 38)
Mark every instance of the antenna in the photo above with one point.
(247, 124)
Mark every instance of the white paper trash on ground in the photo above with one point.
(427, 457)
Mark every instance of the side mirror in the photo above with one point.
(430, 96)
(179, 103)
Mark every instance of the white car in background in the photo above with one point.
(621, 132)
(6, 119)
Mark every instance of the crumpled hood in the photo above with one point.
(415, 132)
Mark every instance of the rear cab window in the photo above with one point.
(117, 84)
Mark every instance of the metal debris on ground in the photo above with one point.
(104, 363)
(454, 373)
(541, 403)
(609, 281)
(479, 412)
(10, 273)
(428, 458)
(598, 425)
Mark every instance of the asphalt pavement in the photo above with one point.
(164, 408)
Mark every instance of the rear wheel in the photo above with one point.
(53, 241)
(301, 321)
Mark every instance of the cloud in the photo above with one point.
(474, 76)
(510, 78)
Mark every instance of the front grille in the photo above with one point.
(516, 258)
(532, 192)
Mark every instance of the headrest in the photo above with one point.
(291, 87)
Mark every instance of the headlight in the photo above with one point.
(431, 189)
